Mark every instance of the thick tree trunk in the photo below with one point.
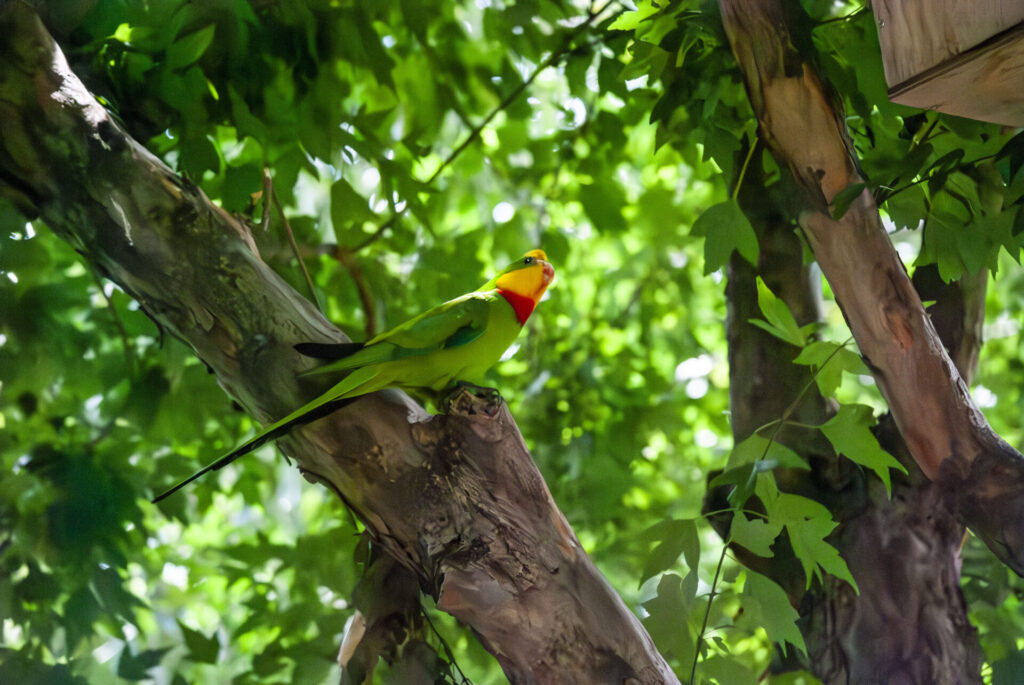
(456, 499)
(982, 477)
(909, 622)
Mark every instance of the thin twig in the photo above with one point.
(518, 90)
(743, 169)
(884, 197)
(845, 17)
(291, 239)
(268, 186)
(444, 645)
(125, 341)
(347, 259)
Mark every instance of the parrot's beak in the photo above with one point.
(549, 273)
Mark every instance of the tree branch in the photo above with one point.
(518, 90)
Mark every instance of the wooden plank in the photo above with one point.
(918, 35)
(985, 82)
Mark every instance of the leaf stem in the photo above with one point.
(474, 134)
(743, 169)
(268, 183)
(885, 197)
(739, 506)
(518, 90)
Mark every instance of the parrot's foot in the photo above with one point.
(467, 398)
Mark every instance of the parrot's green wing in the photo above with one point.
(452, 324)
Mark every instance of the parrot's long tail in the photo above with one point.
(329, 402)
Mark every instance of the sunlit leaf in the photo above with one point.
(808, 523)
(849, 431)
(674, 537)
(778, 320)
(766, 605)
(201, 649)
(725, 228)
(190, 48)
(755, 534)
(829, 360)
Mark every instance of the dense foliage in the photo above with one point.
(413, 146)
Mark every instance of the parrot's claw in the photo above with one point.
(465, 397)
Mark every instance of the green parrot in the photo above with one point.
(455, 341)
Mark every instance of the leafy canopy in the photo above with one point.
(425, 143)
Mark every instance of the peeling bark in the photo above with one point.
(909, 622)
(982, 477)
(456, 499)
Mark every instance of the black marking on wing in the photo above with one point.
(466, 334)
(331, 351)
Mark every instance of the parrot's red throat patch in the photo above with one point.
(521, 304)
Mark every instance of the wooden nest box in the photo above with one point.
(962, 57)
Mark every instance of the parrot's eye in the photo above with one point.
(528, 260)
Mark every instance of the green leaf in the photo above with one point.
(1008, 671)
(749, 460)
(198, 155)
(908, 207)
(187, 50)
(779, 320)
(725, 228)
(844, 198)
(756, 447)
(849, 431)
(766, 605)
(603, 202)
(349, 211)
(240, 182)
(674, 537)
(721, 145)
(136, 666)
(630, 21)
(808, 523)
(80, 611)
(201, 649)
(829, 360)
(113, 595)
(727, 670)
(757, 535)
(245, 121)
(667, 615)
(947, 218)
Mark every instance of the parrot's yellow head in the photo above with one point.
(528, 276)
(524, 281)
